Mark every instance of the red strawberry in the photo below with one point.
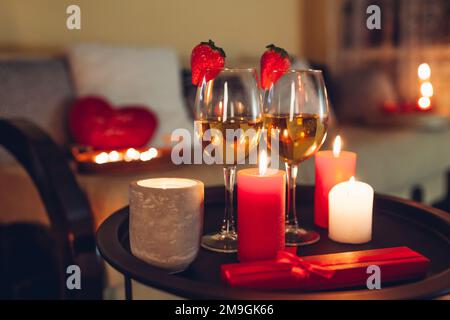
(207, 61)
(273, 59)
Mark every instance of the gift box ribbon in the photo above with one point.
(301, 268)
(327, 271)
(367, 256)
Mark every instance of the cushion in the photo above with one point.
(38, 90)
(126, 75)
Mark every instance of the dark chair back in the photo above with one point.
(71, 219)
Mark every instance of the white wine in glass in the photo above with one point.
(296, 110)
(229, 102)
(233, 147)
(299, 137)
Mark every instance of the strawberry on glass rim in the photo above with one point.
(274, 63)
(207, 60)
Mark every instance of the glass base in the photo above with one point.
(225, 242)
(296, 236)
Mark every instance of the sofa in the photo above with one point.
(40, 90)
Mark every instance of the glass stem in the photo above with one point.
(291, 211)
(229, 175)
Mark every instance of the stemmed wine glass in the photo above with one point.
(296, 110)
(224, 104)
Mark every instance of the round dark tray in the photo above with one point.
(397, 222)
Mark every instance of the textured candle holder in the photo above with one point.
(166, 221)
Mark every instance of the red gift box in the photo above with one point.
(328, 271)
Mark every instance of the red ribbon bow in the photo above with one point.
(302, 268)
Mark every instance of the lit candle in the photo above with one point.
(101, 158)
(351, 204)
(132, 154)
(166, 221)
(149, 154)
(426, 88)
(261, 206)
(424, 71)
(424, 103)
(332, 167)
(113, 156)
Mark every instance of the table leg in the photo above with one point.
(128, 288)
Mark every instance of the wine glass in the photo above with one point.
(228, 100)
(296, 110)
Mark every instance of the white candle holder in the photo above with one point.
(166, 221)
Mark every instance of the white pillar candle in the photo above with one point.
(350, 212)
(166, 221)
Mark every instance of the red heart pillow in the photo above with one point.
(94, 122)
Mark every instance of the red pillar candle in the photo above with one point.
(332, 167)
(261, 207)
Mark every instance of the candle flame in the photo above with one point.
(145, 156)
(352, 179)
(337, 145)
(132, 154)
(424, 71)
(153, 152)
(101, 158)
(114, 156)
(263, 163)
(426, 89)
(149, 154)
(424, 103)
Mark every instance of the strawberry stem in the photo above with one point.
(213, 46)
(278, 50)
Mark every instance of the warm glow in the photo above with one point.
(424, 71)
(149, 154)
(153, 152)
(337, 146)
(132, 154)
(424, 103)
(145, 156)
(167, 183)
(426, 89)
(216, 140)
(101, 158)
(114, 156)
(263, 163)
(285, 133)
